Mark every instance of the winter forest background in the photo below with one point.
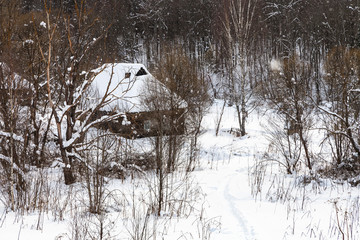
(295, 65)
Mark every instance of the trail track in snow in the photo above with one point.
(227, 201)
(227, 189)
(234, 204)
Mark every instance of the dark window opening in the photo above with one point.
(141, 72)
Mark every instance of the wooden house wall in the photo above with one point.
(146, 124)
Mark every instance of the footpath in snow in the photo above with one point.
(225, 177)
(285, 208)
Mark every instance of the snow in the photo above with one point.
(275, 65)
(10, 162)
(124, 94)
(11, 135)
(29, 41)
(71, 141)
(234, 197)
(43, 24)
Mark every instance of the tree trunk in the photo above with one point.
(68, 175)
(241, 113)
(219, 120)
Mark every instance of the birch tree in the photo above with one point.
(238, 23)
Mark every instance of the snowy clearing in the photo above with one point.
(229, 200)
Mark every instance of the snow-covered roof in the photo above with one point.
(126, 84)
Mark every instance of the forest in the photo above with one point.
(297, 61)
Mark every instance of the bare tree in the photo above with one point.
(238, 20)
(166, 143)
(183, 78)
(98, 149)
(14, 144)
(343, 74)
(68, 79)
(176, 93)
(289, 91)
(288, 146)
(13, 127)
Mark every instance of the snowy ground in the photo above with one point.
(230, 200)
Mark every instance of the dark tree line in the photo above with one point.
(144, 26)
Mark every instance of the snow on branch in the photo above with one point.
(13, 136)
(15, 167)
(86, 125)
(77, 156)
(329, 112)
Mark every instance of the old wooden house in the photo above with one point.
(146, 106)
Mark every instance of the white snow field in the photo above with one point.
(232, 195)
